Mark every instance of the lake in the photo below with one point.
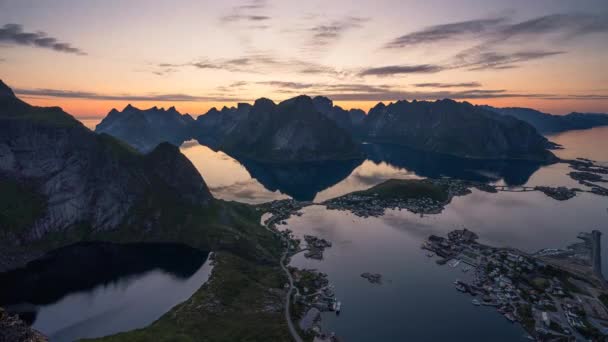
(98, 289)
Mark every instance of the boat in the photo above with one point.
(430, 255)
(455, 263)
(476, 302)
(461, 288)
(510, 317)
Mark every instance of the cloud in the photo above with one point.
(567, 25)
(14, 34)
(327, 33)
(123, 97)
(438, 33)
(401, 69)
(564, 25)
(250, 12)
(257, 63)
(478, 59)
(448, 85)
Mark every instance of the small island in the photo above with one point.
(374, 278)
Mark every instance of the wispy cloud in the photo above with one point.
(14, 34)
(448, 85)
(251, 13)
(392, 70)
(444, 32)
(255, 63)
(564, 25)
(478, 59)
(175, 97)
(326, 33)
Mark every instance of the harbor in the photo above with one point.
(550, 293)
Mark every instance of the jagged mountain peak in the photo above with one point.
(5, 90)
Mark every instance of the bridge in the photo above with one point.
(514, 188)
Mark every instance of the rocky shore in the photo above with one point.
(12, 329)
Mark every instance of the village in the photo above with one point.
(554, 294)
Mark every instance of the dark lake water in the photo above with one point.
(94, 290)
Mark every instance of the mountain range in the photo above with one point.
(549, 123)
(145, 129)
(304, 129)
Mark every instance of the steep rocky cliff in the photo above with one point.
(349, 120)
(455, 128)
(64, 175)
(292, 131)
(145, 129)
(212, 127)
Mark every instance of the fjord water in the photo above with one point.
(97, 289)
(417, 300)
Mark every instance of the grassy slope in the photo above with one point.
(407, 188)
(19, 206)
(242, 301)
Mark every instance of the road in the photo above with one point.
(292, 329)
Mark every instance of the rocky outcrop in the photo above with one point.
(12, 329)
(456, 128)
(548, 123)
(292, 131)
(145, 129)
(349, 120)
(211, 128)
(86, 179)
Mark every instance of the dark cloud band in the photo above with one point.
(14, 34)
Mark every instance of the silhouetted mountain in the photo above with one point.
(548, 123)
(350, 120)
(145, 129)
(56, 175)
(455, 128)
(212, 127)
(292, 131)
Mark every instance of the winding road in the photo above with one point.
(292, 329)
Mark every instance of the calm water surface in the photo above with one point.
(94, 290)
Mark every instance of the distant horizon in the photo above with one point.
(89, 57)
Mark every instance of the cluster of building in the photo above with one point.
(551, 303)
(369, 204)
(560, 193)
(315, 247)
(281, 210)
(587, 172)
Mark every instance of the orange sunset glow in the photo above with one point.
(196, 55)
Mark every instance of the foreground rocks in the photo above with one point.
(12, 329)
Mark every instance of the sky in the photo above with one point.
(89, 56)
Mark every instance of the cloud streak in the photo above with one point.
(250, 13)
(448, 85)
(325, 34)
(564, 25)
(444, 32)
(57, 93)
(393, 70)
(14, 34)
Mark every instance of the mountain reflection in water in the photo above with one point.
(245, 180)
